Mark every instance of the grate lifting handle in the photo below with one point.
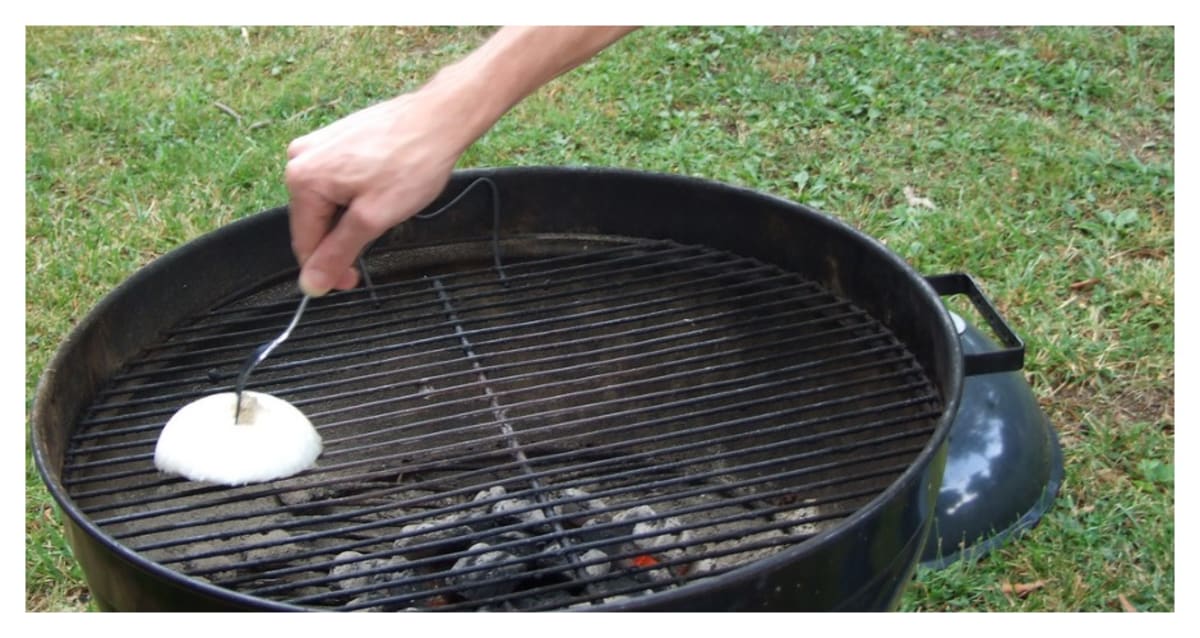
(1011, 355)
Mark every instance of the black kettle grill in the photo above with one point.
(576, 389)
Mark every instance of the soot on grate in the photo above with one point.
(611, 419)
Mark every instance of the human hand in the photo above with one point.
(381, 165)
(385, 163)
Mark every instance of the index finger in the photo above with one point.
(310, 216)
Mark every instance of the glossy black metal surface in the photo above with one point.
(1003, 469)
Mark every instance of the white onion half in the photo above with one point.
(201, 442)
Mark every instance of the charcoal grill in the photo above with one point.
(621, 391)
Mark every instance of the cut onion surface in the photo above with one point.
(271, 440)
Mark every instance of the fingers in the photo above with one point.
(382, 163)
(314, 283)
(330, 265)
(296, 147)
(310, 216)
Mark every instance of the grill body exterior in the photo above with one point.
(861, 562)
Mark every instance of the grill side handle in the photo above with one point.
(1011, 355)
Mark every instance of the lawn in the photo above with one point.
(1040, 160)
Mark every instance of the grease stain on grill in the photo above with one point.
(614, 419)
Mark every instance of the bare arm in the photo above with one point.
(386, 162)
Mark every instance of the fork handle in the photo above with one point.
(260, 353)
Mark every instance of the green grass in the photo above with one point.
(1049, 153)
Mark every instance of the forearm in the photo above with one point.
(383, 163)
(508, 67)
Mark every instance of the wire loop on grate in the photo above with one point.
(608, 419)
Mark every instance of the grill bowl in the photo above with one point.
(860, 561)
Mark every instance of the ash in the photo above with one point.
(569, 549)
(503, 548)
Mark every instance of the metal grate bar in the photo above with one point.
(706, 391)
(399, 338)
(506, 430)
(475, 603)
(740, 387)
(222, 328)
(583, 563)
(705, 388)
(706, 358)
(788, 427)
(338, 300)
(224, 335)
(640, 345)
(630, 427)
(588, 256)
(632, 474)
(743, 500)
(382, 361)
(679, 480)
(784, 493)
(758, 496)
(510, 437)
(792, 325)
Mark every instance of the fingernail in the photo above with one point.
(314, 283)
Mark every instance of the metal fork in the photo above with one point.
(262, 352)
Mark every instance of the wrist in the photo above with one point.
(479, 89)
(460, 95)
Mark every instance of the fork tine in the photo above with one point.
(260, 353)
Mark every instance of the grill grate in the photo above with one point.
(610, 419)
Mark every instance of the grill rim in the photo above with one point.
(95, 547)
